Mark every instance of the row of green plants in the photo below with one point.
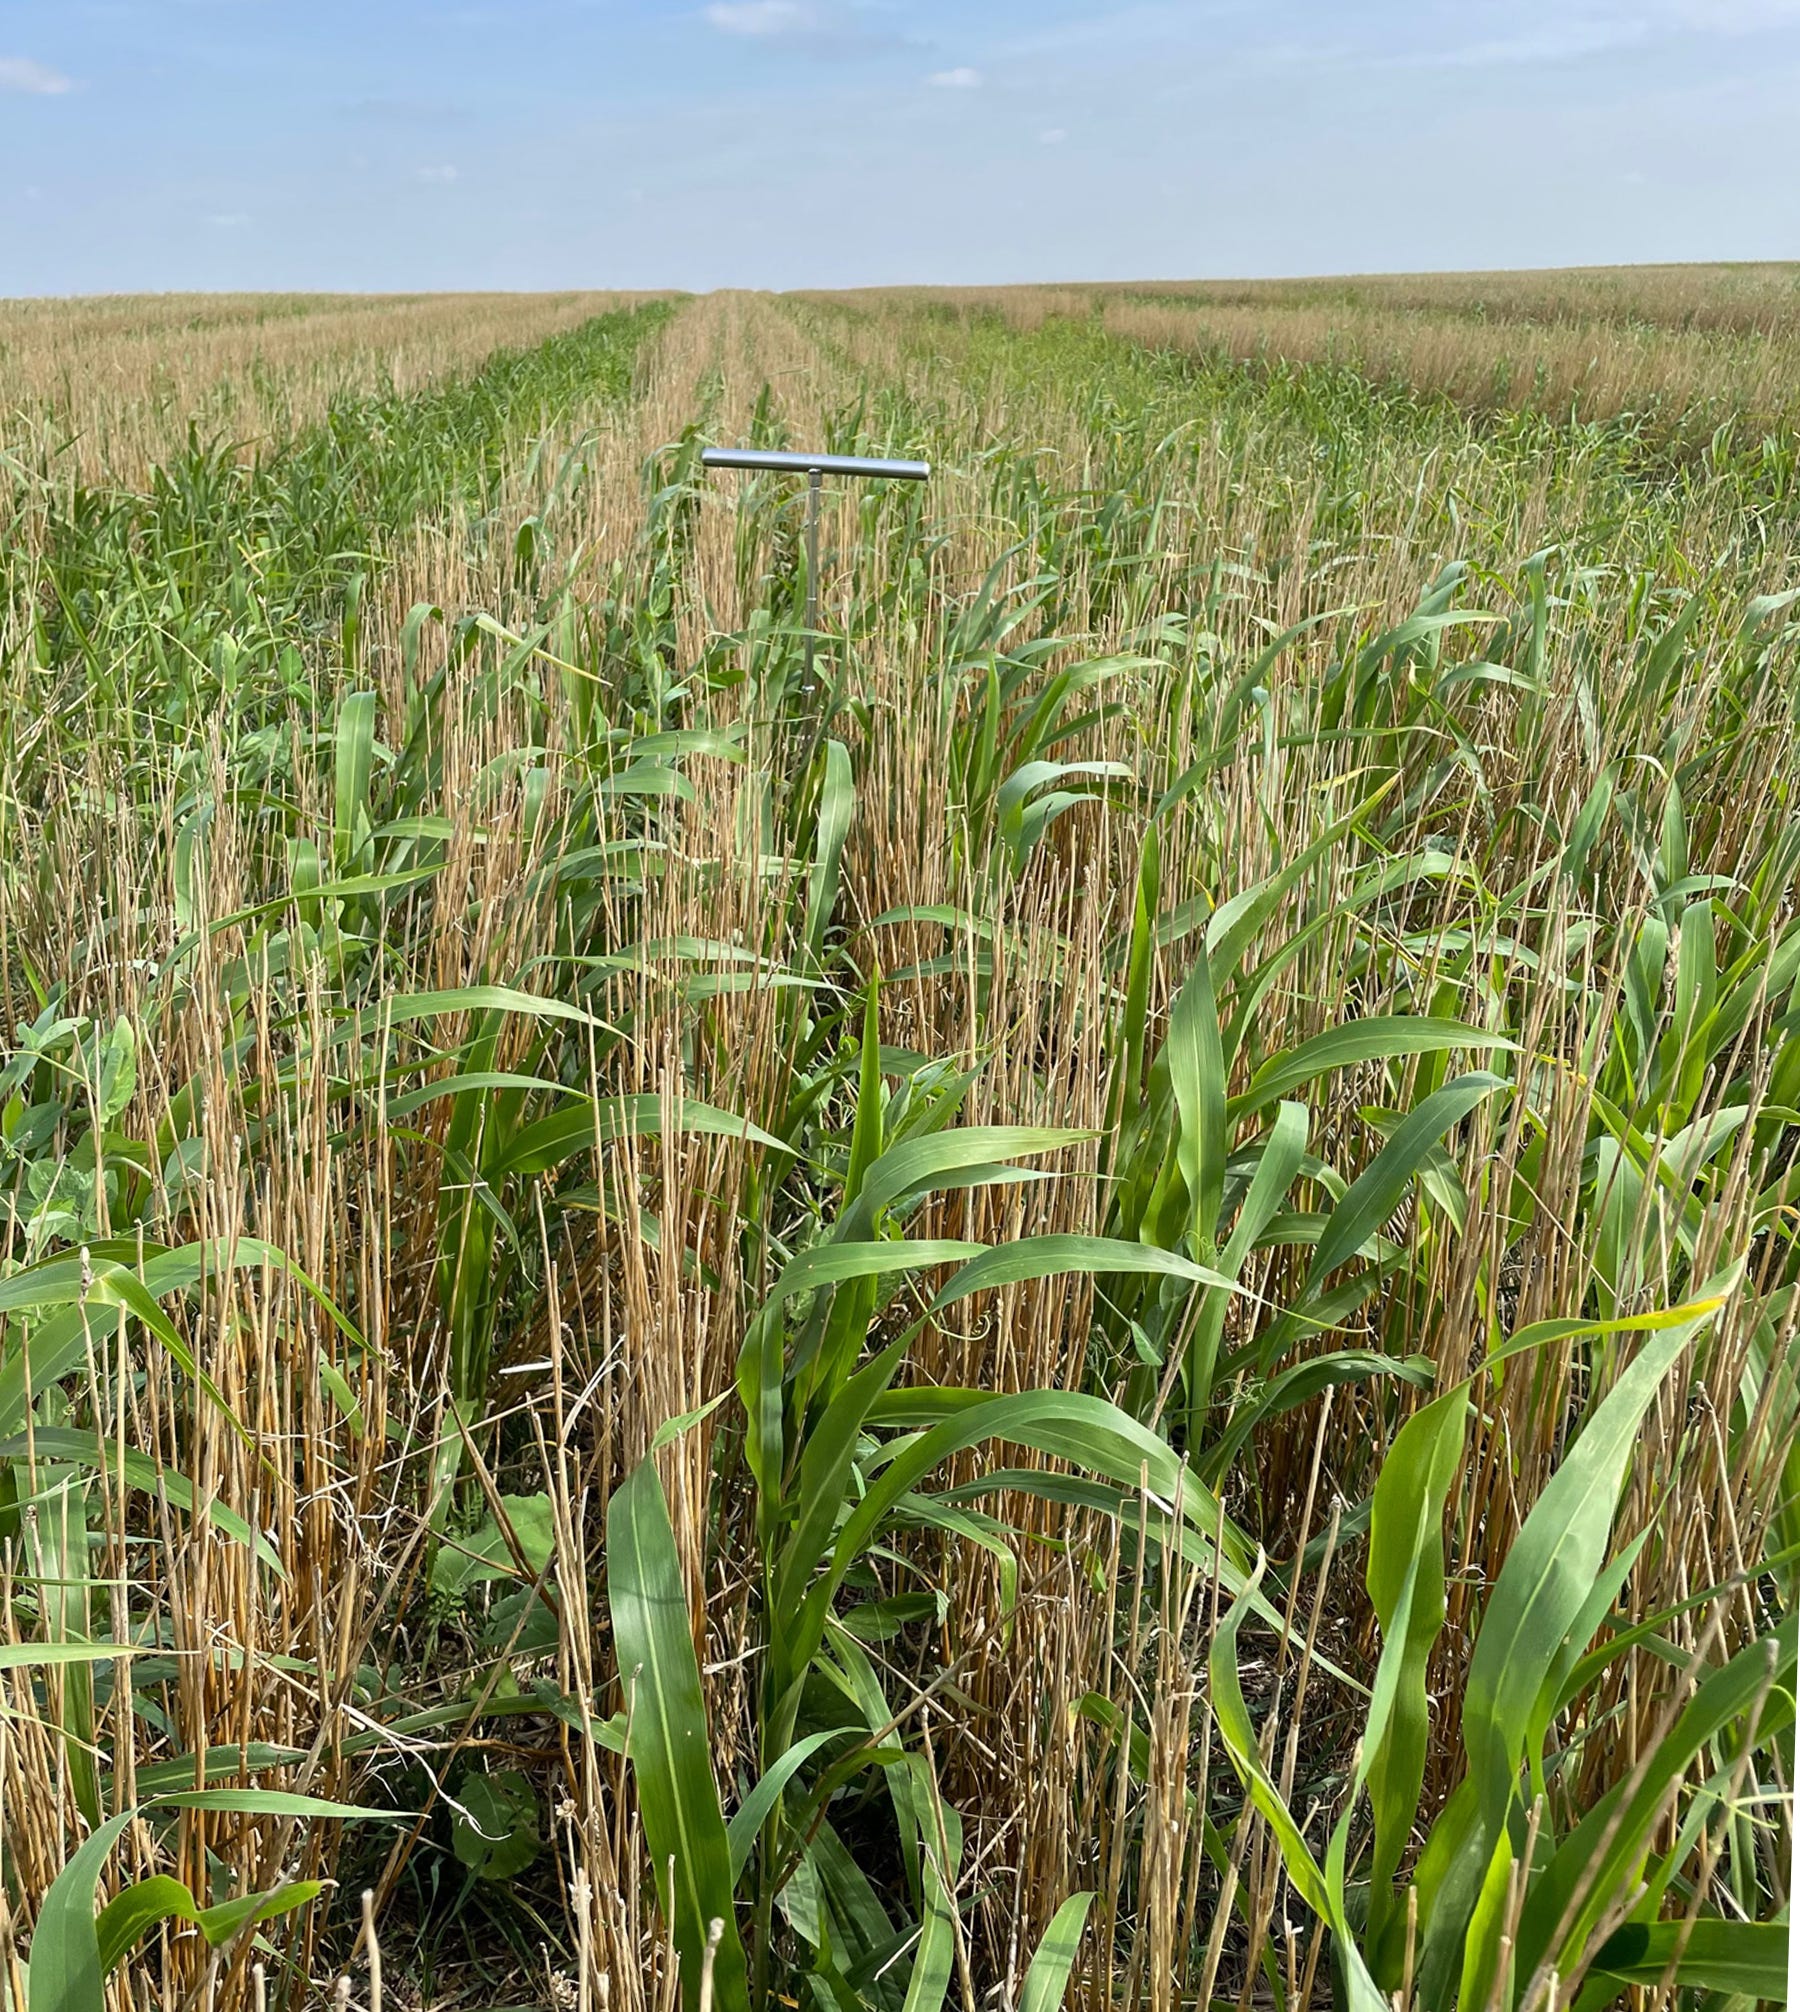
(216, 596)
(207, 615)
(1523, 1889)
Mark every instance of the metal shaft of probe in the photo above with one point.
(815, 467)
(814, 479)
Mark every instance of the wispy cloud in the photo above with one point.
(817, 27)
(1114, 30)
(1054, 136)
(35, 80)
(440, 176)
(1736, 17)
(1558, 37)
(763, 18)
(1559, 41)
(960, 79)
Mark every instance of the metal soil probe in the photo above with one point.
(815, 467)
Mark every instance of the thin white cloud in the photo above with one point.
(229, 220)
(1736, 17)
(1120, 28)
(1054, 137)
(440, 177)
(812, 27)
(35, 80)
(960, 79)
(763, 18)
(1555, 42)
(1601, 29)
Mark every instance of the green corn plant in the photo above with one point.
(828, 1900)
(1008, 786)
(1504, 1906)
(1210, 1172)
(74, 1949)
(841, 1461)
(72, 1175)
(508, 1130)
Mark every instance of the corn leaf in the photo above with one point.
(65, 1973)
(1376, 1193)
(1749, 1958)
(667, 1736)
(125, 1920)
(1379, 1038)
(1047, 1981)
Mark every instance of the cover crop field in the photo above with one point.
(1099, 1311)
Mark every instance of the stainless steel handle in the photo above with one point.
(815, 464)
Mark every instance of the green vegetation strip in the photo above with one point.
(216, 590)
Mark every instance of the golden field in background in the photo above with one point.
(108, 386)
(1685, 347)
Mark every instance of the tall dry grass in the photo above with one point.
(108, 387)
(1742, 299)
(1688, 349)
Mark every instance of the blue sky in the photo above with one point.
(152, 144)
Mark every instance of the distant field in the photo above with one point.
(1685, 348)
(1721, 299)
(1093, 1302)
(110, 385)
